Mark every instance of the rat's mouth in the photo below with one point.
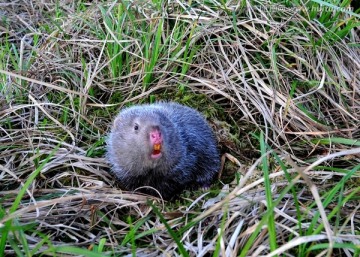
(156, 153)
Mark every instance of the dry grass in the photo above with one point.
(278, 72)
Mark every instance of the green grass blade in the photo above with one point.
(181, 248)
(268, 193)
(337, 140)
(77, 251)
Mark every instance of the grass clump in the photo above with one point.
(277, 80)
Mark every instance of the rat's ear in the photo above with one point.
(117, 122)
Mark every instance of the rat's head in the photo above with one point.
(143, 139)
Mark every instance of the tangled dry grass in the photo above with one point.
(67, 68)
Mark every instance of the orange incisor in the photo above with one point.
(157, 148)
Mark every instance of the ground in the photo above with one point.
(278, 82)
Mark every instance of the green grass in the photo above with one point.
(269, 197)
(8, 225)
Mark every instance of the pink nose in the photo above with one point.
(155, 136)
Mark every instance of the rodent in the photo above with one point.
(165, 145)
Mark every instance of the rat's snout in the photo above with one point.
(156, 142)
(155, 135)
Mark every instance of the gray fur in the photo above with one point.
(190, 158)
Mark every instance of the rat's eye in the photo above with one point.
(136, 127)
